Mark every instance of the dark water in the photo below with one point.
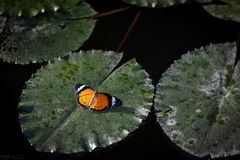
(159, 37)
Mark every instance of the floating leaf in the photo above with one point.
(33, 7)
(228, 11)
(2, 23)
(155, 3)
(42, 38)
(198, 98)
(52, 120)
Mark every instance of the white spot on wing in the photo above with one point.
(113, 101)
(80, 88)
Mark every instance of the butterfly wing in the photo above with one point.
(88, 98)
(114, 101)
(85, 96)
(104, 101)
(100, 102)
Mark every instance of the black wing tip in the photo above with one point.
(118, 102)
(77, 86)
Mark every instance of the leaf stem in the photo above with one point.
(109, 12)
(99, 15)
(130, 28)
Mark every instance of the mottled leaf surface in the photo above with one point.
(198, 99)
(2, 23)
(34, 7)
(228, 11)
(52, 120)
(43, 37)
(155, 3)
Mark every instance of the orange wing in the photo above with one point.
(85, 97)
(91, 99)
(100, 102)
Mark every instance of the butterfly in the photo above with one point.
(89, 98)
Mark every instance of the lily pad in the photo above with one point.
(33, 7)
(41, 38)
(2, 23)
(51, 118)
(198, 101)
(155, 3)
(228, 11)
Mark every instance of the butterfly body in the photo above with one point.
(89, 98)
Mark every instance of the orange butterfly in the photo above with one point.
(89, 98)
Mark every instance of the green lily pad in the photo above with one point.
(228, 11)
(2, 23)
(41, 38)
(51, 118)
(33, 7)
(155, 3)
(198, 99)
